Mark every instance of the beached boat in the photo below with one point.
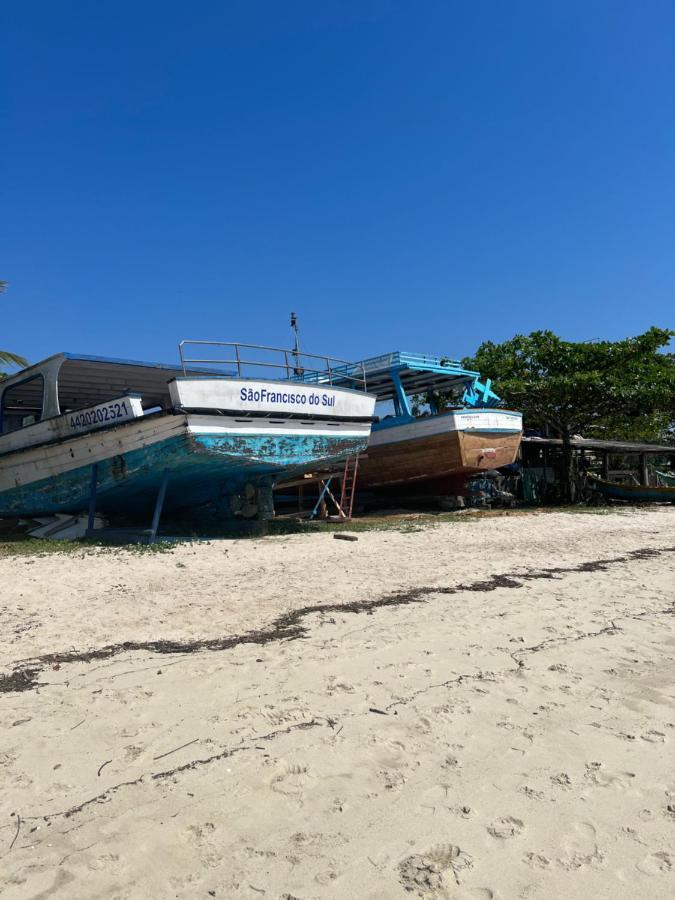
(636, 493)
(418, 441)
(667, 478)
(127, 431)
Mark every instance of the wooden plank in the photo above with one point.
(26, 466)
(437, 456)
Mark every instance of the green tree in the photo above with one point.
(6, 357)
(604, 389)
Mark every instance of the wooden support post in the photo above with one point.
(644, 471)
(605, 465)
(158, 506)
(92, 498)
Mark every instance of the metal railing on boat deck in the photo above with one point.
(308, 368)
(423, 361)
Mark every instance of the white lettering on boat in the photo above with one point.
(112, 413)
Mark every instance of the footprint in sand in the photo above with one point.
(422, 873)
(291, 782)
(562, 779)
(506, 827)
(537, 860)
(393, 780)
(595, 774)
(451, 762)
(659, 863)
(580, 848)
(531, 793)
(206, 844)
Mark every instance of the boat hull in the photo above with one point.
(633, 492)
(446, 449)
(208, 459)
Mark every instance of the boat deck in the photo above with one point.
(417, 373)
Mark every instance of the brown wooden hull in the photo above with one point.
(453, 453)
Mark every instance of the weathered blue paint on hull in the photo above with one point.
(633, 492)
(202, 469)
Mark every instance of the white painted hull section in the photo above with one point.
(71, 424)
(484, 422)
(279, 398)
(221, 425)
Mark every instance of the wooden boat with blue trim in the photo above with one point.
(214, 438)
(440, 445)
(633, 493)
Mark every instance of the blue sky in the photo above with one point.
(414, 175)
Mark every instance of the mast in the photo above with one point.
(296, 345)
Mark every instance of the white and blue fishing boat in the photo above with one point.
(126, 433)
(633, 493)
(439, 424)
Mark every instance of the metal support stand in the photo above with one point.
(128, 534)
(321, 502)
(92, 498)
(325, 489)
(158, 507)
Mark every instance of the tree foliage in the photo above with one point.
(6, 356)
(603, 389)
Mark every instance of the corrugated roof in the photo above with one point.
(418, 372)
(611, 446)
(85, 380)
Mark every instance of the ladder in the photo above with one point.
(345, 505)
(349, 486)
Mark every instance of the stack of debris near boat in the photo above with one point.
(118, 436)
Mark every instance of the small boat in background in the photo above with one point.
(125, 432)
(439, 424)
(668, 480)
(635, 493)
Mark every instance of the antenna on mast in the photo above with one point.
(296, 345)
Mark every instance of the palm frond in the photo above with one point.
(12, 359)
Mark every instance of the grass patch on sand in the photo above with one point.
(43, 547)
(401, 521)
(14, 543)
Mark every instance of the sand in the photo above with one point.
(481, 709)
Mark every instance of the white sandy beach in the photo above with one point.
(458, 721)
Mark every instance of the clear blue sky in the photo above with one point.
(415, 175)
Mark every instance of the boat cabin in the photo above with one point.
(68, 394)
(402, 378)
(67, 382)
